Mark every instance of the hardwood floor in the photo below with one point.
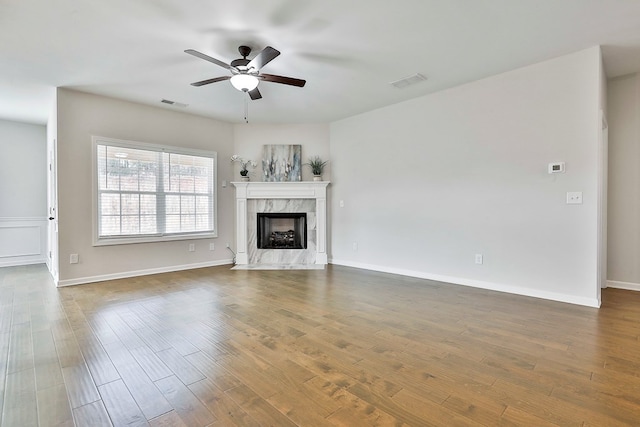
(340, 347)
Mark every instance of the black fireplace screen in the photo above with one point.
(282, 230)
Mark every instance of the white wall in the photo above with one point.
(314, 138)
(23, 161)
(249, 139)
(82, 115)
(624, 182)
(430, 182)
(23, 195)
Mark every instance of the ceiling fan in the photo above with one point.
(245, 73)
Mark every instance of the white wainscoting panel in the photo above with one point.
(23, 241)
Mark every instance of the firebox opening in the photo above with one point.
(282, 230)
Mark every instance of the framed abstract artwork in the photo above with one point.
(281, 163)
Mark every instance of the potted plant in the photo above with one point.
(317, 167)
(244, 166)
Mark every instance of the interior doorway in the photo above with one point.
(52, 204)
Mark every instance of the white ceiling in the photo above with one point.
(347, 50)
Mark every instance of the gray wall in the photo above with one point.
(426, 184)
(23, 193)
(23, 170)
(82, 115)
(431, 182)
(314, 138)
(624, 182)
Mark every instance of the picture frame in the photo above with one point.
(281, 162)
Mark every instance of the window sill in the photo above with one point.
(150, 239)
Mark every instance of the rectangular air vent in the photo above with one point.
(175, 104)
(408, 81)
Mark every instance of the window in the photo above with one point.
(147, 192)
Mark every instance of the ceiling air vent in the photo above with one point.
(174, 103)
(408, 81)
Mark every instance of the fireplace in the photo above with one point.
(282, 230)
(310, 198)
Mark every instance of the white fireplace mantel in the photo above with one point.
(281, 190)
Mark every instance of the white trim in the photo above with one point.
(623, 285)
(136, 273)
(54, 274)
(110, 241)
(17, 262)
(282, 190)
(589, 302)
(22, 218)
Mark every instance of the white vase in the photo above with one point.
(244, 178)
(317, 177)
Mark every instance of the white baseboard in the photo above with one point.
(14, 262)
(136, 273)
(623, 285)
(553, 296)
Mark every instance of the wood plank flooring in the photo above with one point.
(339, 347)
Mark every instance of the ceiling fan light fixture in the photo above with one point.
(244, 82)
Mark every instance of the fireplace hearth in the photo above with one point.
(282, 230)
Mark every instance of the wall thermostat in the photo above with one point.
(556, 167)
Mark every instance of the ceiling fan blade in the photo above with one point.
(208, 58)
(263, 58)
(255, 94)
(281, 79)
(209, 81)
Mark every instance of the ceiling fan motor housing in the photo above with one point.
(240, 65)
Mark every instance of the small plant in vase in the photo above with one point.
(317, 167)
(244, 166)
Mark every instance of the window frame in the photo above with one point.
(147, 238)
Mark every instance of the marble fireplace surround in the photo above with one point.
(259, 195)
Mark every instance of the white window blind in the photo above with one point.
(152, 191)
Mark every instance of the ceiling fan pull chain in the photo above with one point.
(246, 109)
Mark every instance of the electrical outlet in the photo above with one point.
(355, 246)
(574, 197)
(212, 246)
(192, 247)
(228, 245)
(342, 203)
(73, 259)
(479, 259)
